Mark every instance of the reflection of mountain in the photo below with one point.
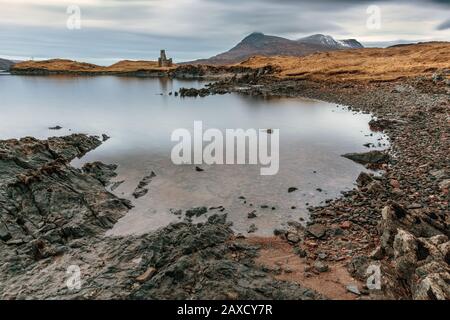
(265, 45)
(5, 64)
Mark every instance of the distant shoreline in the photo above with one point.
(355, 65)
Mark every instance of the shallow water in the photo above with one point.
(139, 115)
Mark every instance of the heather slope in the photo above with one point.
(361, 64)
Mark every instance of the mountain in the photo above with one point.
(330, 42)
(265, 45)
(6, 64)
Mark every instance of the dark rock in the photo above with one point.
(196, 212)
(364, 179)
(5, 235)
(252, 228)
(252, 215)
(371, 157)
(193, 92)
(139, 192)
(218, 219)
(292, 189)
(279, 232)
(300, 252)
(100, 171)
(58, 202)
(116, 184)
(380, 124)
(358, 266)
(316, 230)
(178, 212)
(141, 189)
(320, 266)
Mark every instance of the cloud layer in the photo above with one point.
(188, 29)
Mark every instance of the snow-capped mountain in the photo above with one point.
(258, 43)
(330, 42)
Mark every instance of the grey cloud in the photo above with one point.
(204, 28)
(96, 43)
(444, 25)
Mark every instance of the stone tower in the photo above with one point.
(163, 61)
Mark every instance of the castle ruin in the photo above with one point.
(163, 61)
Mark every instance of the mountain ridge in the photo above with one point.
(329, 41)
(260, 44)
(6, 64)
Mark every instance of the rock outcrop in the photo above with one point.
(52, 223)
(420, 254)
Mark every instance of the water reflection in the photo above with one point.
(140, 115)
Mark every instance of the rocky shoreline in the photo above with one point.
(180, 72)
(53, 219)
(398, 221)
(54, 216)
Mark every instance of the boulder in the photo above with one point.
(320, 266)
(316, 230)
(293, 237)
(364, 179)
(433, 287)
(371, 157)
(196, 212)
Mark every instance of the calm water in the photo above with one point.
(140, 116)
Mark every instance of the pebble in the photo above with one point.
(320, 266)
(293, 237)
(252, 215)
(252, 229)
(146, 275)
(353, 289)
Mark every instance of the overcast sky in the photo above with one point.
(189, 29)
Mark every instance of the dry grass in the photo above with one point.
(128, 65)
(362, 64)
(61, 65)
(367, 65)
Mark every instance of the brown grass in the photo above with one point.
(361, 64)
(366, 65)
(62, 65)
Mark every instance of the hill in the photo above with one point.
(368, 64)
(6, 64)
(70, 66)
(265, 45)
